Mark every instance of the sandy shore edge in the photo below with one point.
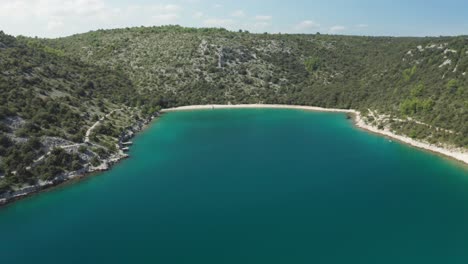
(455, 153)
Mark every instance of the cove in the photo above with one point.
(251, 186)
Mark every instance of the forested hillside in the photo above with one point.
(53, 90)
(421, 78)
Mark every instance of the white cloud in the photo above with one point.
(27, 8)
(198, 15)
(165, 18)
(238, 13)
(166, 8)
(55, 24)
(219, 22)
(263, 18)
(261, 23)
(52, 18)
(337, 29)
(306, 26)
(260, 26)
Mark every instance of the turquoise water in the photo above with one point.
(251, 186)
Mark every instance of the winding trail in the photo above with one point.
(90, 130)
(86, 140)
(385, 118)
(38, 160)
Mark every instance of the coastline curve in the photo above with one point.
(458, 154)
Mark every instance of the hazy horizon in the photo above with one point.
(54, 18)
(244, 30)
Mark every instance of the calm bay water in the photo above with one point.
(251, 186)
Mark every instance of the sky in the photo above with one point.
(57, 18)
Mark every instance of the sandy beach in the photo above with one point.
(455, 153)
(310, 108)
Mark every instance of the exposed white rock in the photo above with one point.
(14, 122)
(446, 62)
(203, 47)
(435, 46)
(420, 48)
(50, 143)
(449, 50)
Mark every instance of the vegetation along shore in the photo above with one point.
(69, 105)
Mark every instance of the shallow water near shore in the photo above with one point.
(251, 186)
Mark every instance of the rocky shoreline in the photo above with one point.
(129, 133)
(87, 169)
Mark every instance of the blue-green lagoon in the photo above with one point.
(251, 186)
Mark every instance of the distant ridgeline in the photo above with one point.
(53, 90)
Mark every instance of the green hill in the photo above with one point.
(56, 87)
(49, 100)
(422, 78)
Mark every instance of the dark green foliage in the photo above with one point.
(107, 129)
(418, 90)
(4, 185)
(408, 73)
(58, 162)
(95, 162)
(452, 86)
(20, 156)
(5, 141)
(415, 105)
(82, 149)
(312, 64)
(102, 153)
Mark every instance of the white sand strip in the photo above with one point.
(459, 154)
